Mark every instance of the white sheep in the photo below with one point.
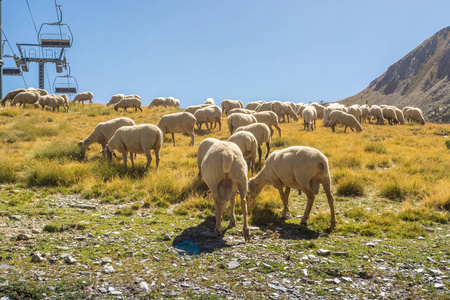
(389, 114)
(377, 113)
(269, 118)
(158, 101)
(355, 111)
(210, 114)
(28, 97)
(248, 144)
(262, 134)
(348, 120)
(228, 105)
(237, 120)
(283, 109)
(399, 114)
(104, 131)
(171, 102)
(210, 101)
(57, 101)
(266, 106)
(115, 98)
(178, 123)
(193, 108)
(203, 148)
(225, 172)
(41, 92)
(136, 139)
(413, 114)
(128, 102)
(85, 96)
(253, 105)
(44, 101)
(319, 109)
(309, 115)
(242, 111)
(297, 167)
(365, 113)
(10, 95)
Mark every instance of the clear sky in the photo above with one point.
(288, 50)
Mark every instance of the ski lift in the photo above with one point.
(12, 71)
(56, 34)
(65, 84)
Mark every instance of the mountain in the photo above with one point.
(421, 79)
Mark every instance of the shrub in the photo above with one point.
(350, 186)
(49, 174)
(447, 143)
(60, 150)
(393, 191)
(7, 170)
(375, 147)
(263, 212)
(357, 213)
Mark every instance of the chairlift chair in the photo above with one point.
(65, 84)
(55, 35)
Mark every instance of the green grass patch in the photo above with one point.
(61, 151)
(377, 148)
(350, 187)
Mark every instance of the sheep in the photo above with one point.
(104, 131)
(171, 102)
(128, 102)
(253, 105)
(297, 167)
(262, 134)
(284, 109)
(207, 115)
(203, 148)
(115, 98)
(44, 101)
(228, 105)
(158, 101)
(57, 101)
(399, 114)
(266, 106)
(178, 123)
(10, 96)
(85, 96)
(389, 114)
(242, 111)
(136, 139)
(309, 116)
(210, 101)
(236, 120)
(377, 112)
(193, 108)
(319, 109)
(327, 111)
(298, 108)
(41, 92)
(365, 113)
(348, 120)
(248, 144)
(28, 97)
(225, 172)
(355, 111)
(413, 114)
(270, 119)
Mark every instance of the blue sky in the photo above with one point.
(298, 51)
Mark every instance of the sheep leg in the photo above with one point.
(207, 127)
(271, 130)
(232, 222)
(279, 129)
(345, 128)
(173, 138)
(140, 109)
(124, 154)
(268, 150)
(245, 230)
(309, 204)
(220, 125)
(218, 211)
(157, 158)
(259, 153)
(149, 159)
(132, 160)
(192, 135)
(285, 198)
(327, 188)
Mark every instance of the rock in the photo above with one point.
(348, 279)
(305, 272)
(15, 217)
(185, 285)
(277, 287)
(336, 280)
(431, 260)
(107, 269)
(113, 291)
(370, 245)
(52, 260)
(233, 265)
(36, 258)
(144, 286)
(122, 223)
(436, 272)
(35, 231)
(429, 229)
(23, 237)
(420, 238)
(438, 286)
(323, 252)
(5, 298)
(106, 260)
(69, 260)
(341, 254)
(102, 290)
(79, 238)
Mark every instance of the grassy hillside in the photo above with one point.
(391, 185)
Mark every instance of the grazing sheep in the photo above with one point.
(266, 106)
(248, 144)
(348, 120)
(128, 102)
(158, 101)
(253, 105)
(210, 114)
(193, 108)
(389, 114)
(365, 113)
(262, 134)
(327, 111)
(242, 111)
(57, 101)
(10, 96)
(413, 114)
(28, 97)
(297, 167)
(270, 119)
(178, 123)
(399, 114)
(210, 101)
(104, 131)
(85, 96)
(377, 113)
(225, 172)
(228, 105)
(319, 109)
(115, 98)
(298, 108)
(355, 111)
(283, 109)
(309, 116)
(236, 120)
(203, 148)
(136, 139)
(44, 101)
(41, 92)
(171, 102)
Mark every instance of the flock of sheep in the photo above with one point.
(224, 165)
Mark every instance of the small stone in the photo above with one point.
(438, 286)
(79, 238)
(305, 272)
(70, 260)
(52, 260)
(418, 270)
(5, 298)
(107, 269)
(420, 238)
(185, 285)
(341, 254)
(103, 290)
(23, 237)
(122, 223)
(144, 286)
(436, 272)
(348, 279)
(35, 231)
(429, 229)
(336, 280)
(15, 217)
(233, 265)
(323, 252)
(106, 260)
(204, 278)
(431, 260)
(37, 258)
(370, 245)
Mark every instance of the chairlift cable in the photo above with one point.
(34, 23)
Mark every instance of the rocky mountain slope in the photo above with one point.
(421, 78)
